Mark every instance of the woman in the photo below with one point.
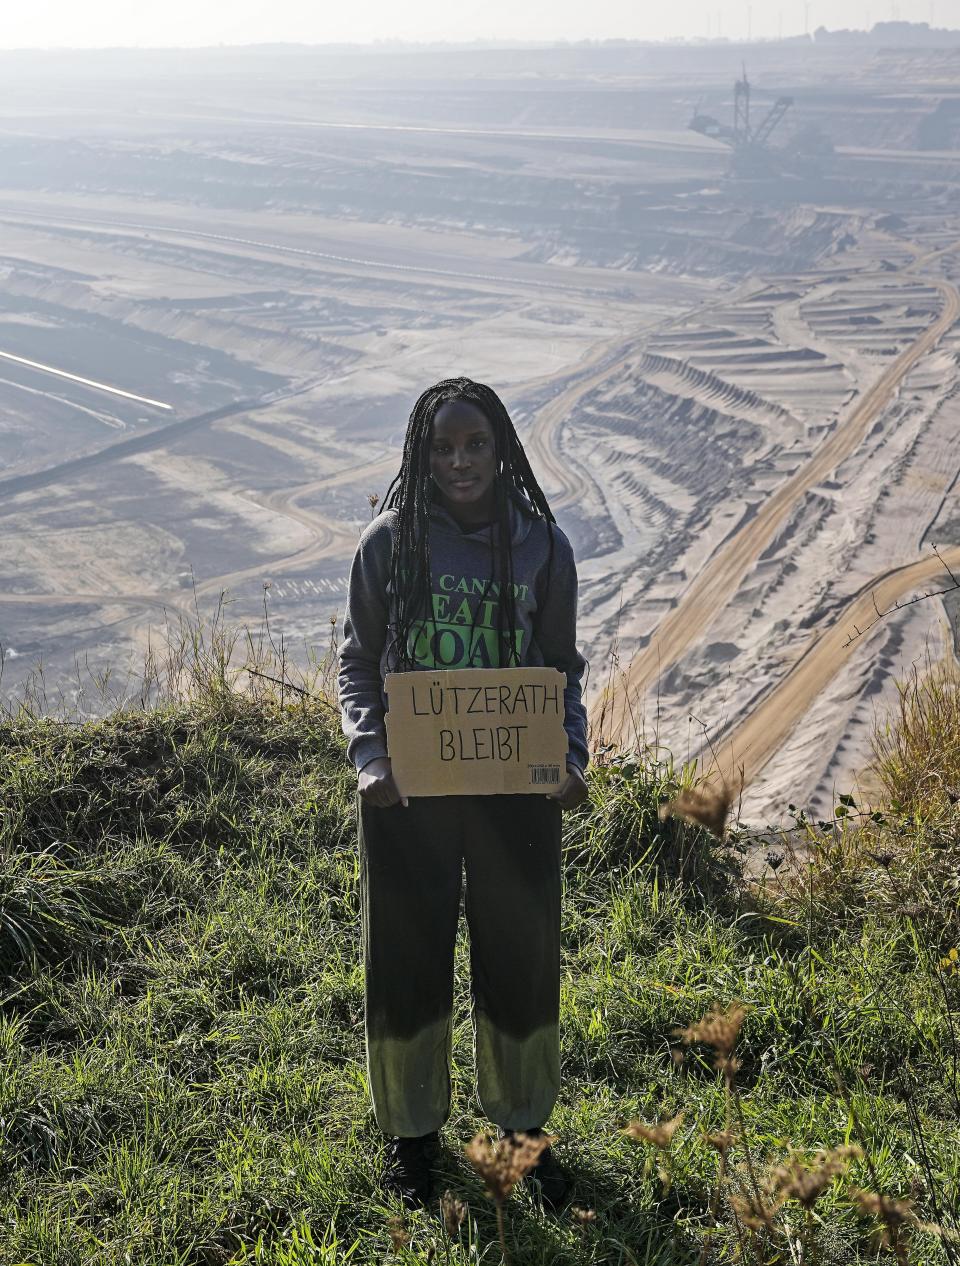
(463, 568)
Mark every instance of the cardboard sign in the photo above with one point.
(476, 731)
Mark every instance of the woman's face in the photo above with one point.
(463, 460)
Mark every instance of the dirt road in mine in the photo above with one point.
(711, 590)
(740, 754)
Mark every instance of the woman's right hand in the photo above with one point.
(376, 784)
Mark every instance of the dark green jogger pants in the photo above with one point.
(412, 861)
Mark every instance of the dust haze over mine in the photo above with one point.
(715, 284)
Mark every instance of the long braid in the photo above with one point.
(410, 495)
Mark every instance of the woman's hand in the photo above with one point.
(376, 784)
(574, 790)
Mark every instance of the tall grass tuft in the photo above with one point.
(916, 753)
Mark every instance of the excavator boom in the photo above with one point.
(772, 121)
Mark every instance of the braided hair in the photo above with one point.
(411, 496)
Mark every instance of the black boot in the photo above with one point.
(407, 1169)
(551, 1184)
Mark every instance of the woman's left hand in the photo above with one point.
(574, 790)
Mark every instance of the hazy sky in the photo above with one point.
(96, 23)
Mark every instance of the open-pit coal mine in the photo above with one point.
(716, 286)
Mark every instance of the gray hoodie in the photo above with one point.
(462, 632)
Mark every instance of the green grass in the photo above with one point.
(182, 1079)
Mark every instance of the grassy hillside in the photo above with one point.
(181, 1055)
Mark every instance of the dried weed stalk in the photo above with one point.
(895, 1218)
(503, 1164)
(659, 1136)
(399, 1235)
(453, 1212)
(721, 1030)
(794, 1179)
(806, 1182)
(756, 1210)
(700, 806)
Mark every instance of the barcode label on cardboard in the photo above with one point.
(544, 773)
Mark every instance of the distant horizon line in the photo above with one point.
(491, 42)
